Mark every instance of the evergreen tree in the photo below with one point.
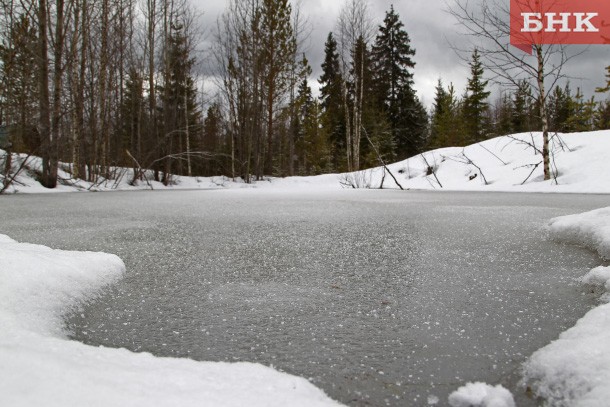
(475, 102)
(582, 113)
(602, 116)
(393, 61)
(439, 107)
(19, 84)
(312, 146)
(604, 89)
(522, 109)
(560, 109)
(211, 144)
(278, 55)
(181, 115)
(331, 104)
(446, 124)
(133, 115)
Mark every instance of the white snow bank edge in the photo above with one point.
(574, 370)
(40, 367)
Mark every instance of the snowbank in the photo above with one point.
(575, 369)
(41, 367)
(481, 395)
(507, 163)
(590, 229)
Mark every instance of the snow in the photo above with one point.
(574, 370)
(39, 285)
(591, 229)
(481, 395)
(40, 366)
(506, 163)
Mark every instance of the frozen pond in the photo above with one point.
(378, 297)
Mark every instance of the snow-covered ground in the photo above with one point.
(508, 163)
(574, 370)
(40, 367)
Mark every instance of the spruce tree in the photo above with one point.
(331, 103)
(445, 124)
(210, 143)
(475, 102)
(312, 147)
(602, 116)
(181, 115)
(437, 132)
(18, 84)
(561, 106)
(133, 115)
(522, 109)
(393, 61)
(604, 89)
(582, 113)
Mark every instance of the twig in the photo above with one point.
(468, 161)
(10, 178)
(492, 153)
(385, 167)
(530, 174)
(431, 169)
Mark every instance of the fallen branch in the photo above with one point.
(383, 164)
(431, 169)
(8, 177)
(530, 174)
(467, 161)
(492, 153)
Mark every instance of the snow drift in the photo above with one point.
(41, 367)
(574, 370)
(508, 163)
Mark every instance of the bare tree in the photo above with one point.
(354, 25)
(487, 23)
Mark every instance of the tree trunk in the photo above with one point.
(543, 114)
(187, 132)
(44, 126)
(348, 134)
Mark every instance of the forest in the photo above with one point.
(97, 85)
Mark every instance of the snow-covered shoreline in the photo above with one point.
(574, 370)
(507, 164)
(41, 367)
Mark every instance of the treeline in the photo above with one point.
(116, 83)
(272, 123)
(100, 84)
(459, 120)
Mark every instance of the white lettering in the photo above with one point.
(582, 21)
(530, 24)
(551, 22)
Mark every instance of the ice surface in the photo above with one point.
(41, 367)
(371, 295)
(481, 395)
(575, 369)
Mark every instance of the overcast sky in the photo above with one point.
(431, 30)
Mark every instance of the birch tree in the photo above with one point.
(489, 28)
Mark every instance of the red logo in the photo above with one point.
(559, 22)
